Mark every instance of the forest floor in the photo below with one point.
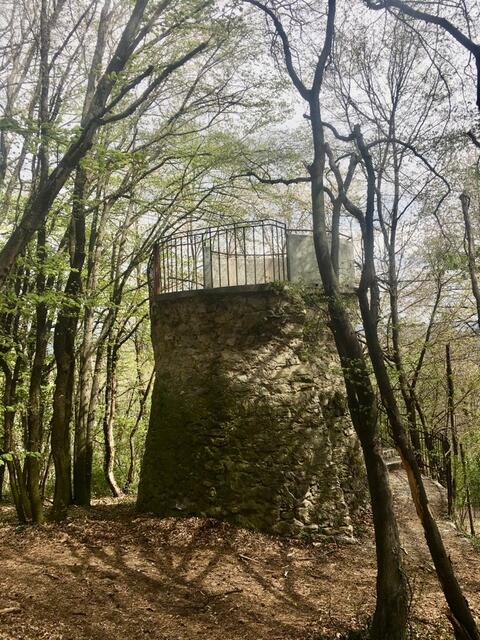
(108, 573)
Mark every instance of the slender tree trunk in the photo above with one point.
(109, 419)
(19, 489)
(2, 477)
(390, 617)
(64, 349)
(145, 392)
(46, 471)
(460, 614)
(82, 457)
(5, 446)
(89, 372)
(62, 409)
(390, 238)
(35, 400)
(470, 250)
(467, 491)
(66, 331)
(391, 610)
(452, 427)
(34, 420)
(17, 484)
(408, 399)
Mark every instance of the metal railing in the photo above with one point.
(433, 453)
(240, 253)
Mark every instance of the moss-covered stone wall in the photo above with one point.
(248, 414)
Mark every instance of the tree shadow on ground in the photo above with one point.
(121, 575)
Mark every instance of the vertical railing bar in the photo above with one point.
(235, 229)
(281, 251)
(202, 263)
(181, 266)
(211, 256)
(161, 259)
(194, 261)
(277, 248)
(163, 279)
(168, 278)
(190, 264)
(168, 257)
(151, 270)
(160, 272)
(227, 258)
(187, 265)
(167, 265)
(156, 269)
(202, 266)
(277, 251)
(264, 256)
(273, 256)
(219, 260)
(176, 263)
(254, 256)
(245, 252)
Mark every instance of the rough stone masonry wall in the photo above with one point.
(247, 421)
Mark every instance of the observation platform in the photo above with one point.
(240, 254)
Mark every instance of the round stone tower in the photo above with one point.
(248, 420)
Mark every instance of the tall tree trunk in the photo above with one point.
(83, 447)
(2, 475)
(144, 393)
(460, 614)
(390, 238)
(466, 488)
(35, 414)
(470, 250)
(452, 427)
(83, 450)
(17, 484)
(390, 617)
(64, 350)
(60, 425)
(109, 419)
(35, 402)
(89, 372)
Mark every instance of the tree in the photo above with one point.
(445, 24)
(390, 618)
(99, 113)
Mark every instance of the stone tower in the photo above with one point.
(248, 419)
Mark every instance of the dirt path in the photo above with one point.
(428, 598)
(109, 574)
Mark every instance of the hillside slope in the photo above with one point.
(109, 574)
